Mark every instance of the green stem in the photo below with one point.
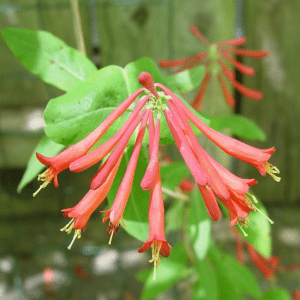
(77, 27)
(212, 103)
(185, 237)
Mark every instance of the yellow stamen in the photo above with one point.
(111, 236)
(272, 170)
(77, 234)
(257, 209)
(253, 197)
(244, 232)
(41, 187)
(156, 245)
(47, 177)
(68, 228)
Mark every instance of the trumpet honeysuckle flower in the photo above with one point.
(257, 157)
(115, 213)
(267, 266)
(210, 203)
(153, 102)
(233, 182)
(62, 161)
(187, 153)
(217, 184)
(99, 153)
(100, 176)
(156, 239)
(215, 58)
(150, 174)
(81, 213)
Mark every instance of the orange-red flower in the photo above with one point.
(216, 59)
(267, 266)
(63, 160)
(115, 213)
(257, 157)
(156, 239)
(214, 181)
(81, 213)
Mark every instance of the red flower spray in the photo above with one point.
(216, 58)
(213, 180)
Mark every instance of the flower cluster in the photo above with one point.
(267, 266)
(213, 180)
(216, 59)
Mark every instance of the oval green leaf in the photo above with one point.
(49, 57)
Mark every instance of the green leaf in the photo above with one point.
(187, 80)
(173, 174)
(34, 167)
(174, 216)
(48, 57)
(239, 126)
(226, 286)
(259, 231)
(167, 274)
(206, 287)
(136, 212)
(244, 280)
(276, 294)
(72, 116)
(199, 225)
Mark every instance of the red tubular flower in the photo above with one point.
(213, 180)
(257, 157)
(62, 161)
(151, 171)
(115, 213)
(187, 153)
(217, 184)
(100, 176)
(214, 59)
(268, 266)
(260, 262)
(81, 213)
(98, 154)
(211, 203)
(233, 182)
(156, 239)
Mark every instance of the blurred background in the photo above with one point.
(34, 260)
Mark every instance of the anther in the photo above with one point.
(272, 170)
(253, 197)
(155, 256)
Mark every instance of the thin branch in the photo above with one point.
(77, 27)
